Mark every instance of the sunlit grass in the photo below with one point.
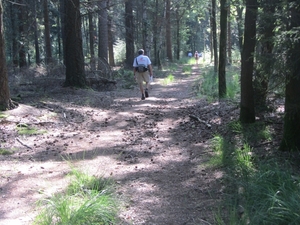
(2, 115)
(251, 132)
(209, 83)
(187, 69)
(24, 129)
(169, 79)
(5, 152)
(256, 190)
(87, 200)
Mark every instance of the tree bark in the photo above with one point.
(36, 36)
(103, 34)
(247, 112)
(266, 60)
(239, 20)
(47, 33)
(291, 130)
(91, 38)
(110, 32)
(129, 38)
(75, 74)
(21, 23)
(214, 35)
(168, 31)
(223, 46)
(5, 101)
(229, 42)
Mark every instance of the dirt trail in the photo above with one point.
(151, 148)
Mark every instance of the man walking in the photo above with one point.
(141, 65)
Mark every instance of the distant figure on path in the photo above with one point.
(196, 55)
(141, 65)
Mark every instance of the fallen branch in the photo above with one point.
(199, 120)
(264, 143)
(23, 143)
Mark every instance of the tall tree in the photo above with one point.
(265, 60)
(168, 31)
(111, 59)
(229, 41)
(36, 35)
(75, 73)
(62, 27)
(91, 35)
(21, 41)
(47, 33)
(5, 101)
(247, 112)
(103, 31)
(129, 40)
(214, 35)
(14, 33)
(157, 26)
(223, 46)
(291, 130)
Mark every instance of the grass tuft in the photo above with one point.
(169, 79)
(5, 152)
(88, 200)
(24, 129)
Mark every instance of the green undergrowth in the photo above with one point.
(5, 152)
(2, 115)
(24, 129)
(187, 69)
(168, 80)
(259, 190)
(207, 85)
(87, 200)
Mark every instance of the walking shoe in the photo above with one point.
(143, 97)
(146, 93)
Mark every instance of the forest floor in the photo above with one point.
(154, 150)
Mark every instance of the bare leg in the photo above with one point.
(141, 88)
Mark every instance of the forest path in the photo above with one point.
(152, 148)
(161, 169)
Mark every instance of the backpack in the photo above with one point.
(140, 67)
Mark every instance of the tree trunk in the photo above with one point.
(111, 57)
(223, 46)
(47, 33)
(178, 41)
(157, 40)
(36, 36)
(5, 101)
(62, 27)
(14, 35)
(266, 60)
(91, 38)
(168, 31)
(21, 46)
(239, 19)
(129, 38)
(214, 35)
(75, 74)
(247, 112)
(229, 43)
(291, 130)
(103, 34)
